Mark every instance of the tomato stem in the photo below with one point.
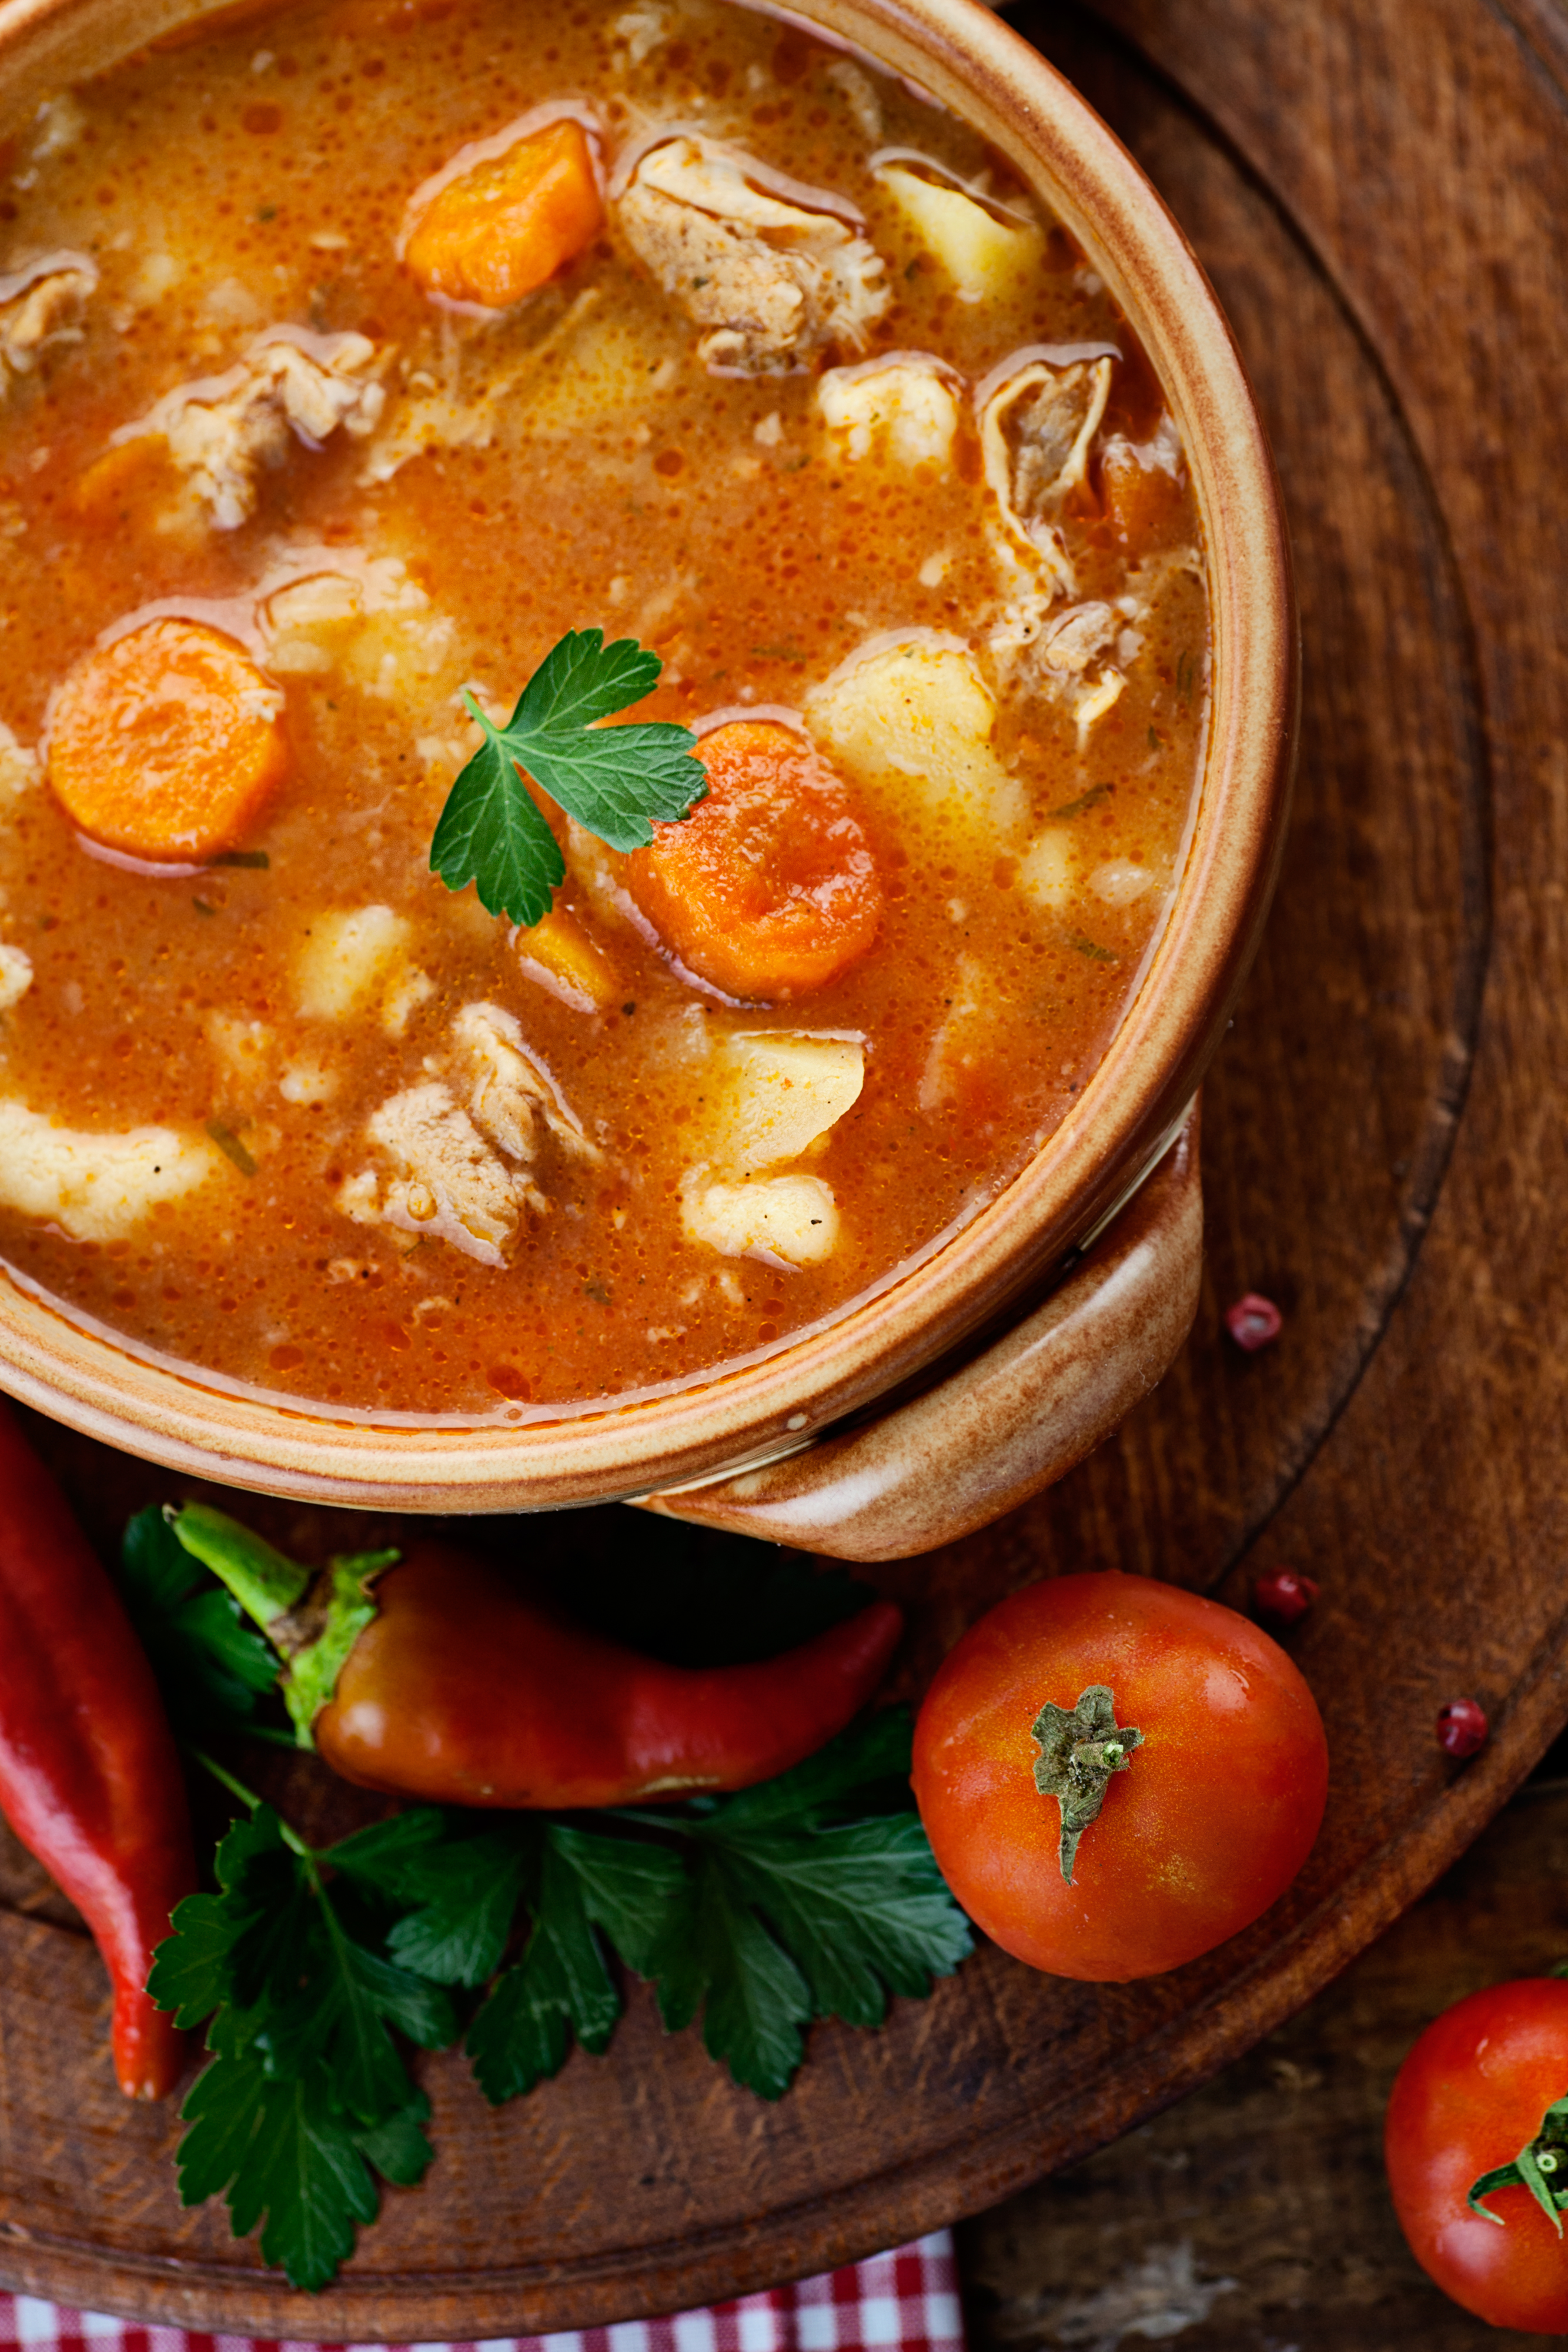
(1080, 1748)
(1541, 2166)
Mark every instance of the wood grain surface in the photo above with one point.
(1254, 2216)
(1379, 189)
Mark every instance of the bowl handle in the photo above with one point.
(1008, 1422)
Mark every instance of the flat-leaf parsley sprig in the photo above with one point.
(615, 781)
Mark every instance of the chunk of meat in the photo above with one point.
(446, 1180)
(768, 889)
(1037, 429)
(39, 307)
(463, 1146)
(166, 742)
(222, 432)
(901, 409)
(507, 223)
(96, 1188)
(1077, 639)
(509, 1092)
(782, 1219)
(774, 277)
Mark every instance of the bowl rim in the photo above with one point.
(977, 65)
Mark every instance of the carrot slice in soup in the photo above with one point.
(166, 743)
(504, 227)
(768, 888)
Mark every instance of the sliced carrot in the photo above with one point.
(166, 742)
(506, 225)
(768, 888)
(562, 958)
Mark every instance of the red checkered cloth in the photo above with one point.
(904, 2302)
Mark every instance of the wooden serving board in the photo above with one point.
(1380, 191)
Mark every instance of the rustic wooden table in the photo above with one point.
(1253, 2216)
(1379, 189)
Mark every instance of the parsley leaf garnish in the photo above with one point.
(306, 2089)
(815, 1895)
(612, 780)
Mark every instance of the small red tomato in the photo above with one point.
(1472, 2094)
(1462, 1728)
(1254, 1322)
(1284, 1596)
(1184, 1721)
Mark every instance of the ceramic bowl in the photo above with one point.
(1003, 1372)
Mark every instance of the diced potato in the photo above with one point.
(1119, 881)
(792, 1219)
(1049, 871)
(243, 1053)
(16, 976)
(561, 957)
(779, 1093)
(96, 1187)
(900, 410)
(345, 955)
(510, 221)
(19, 768)
(921, 710)
(984, 255)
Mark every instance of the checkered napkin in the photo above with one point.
(904, 2302)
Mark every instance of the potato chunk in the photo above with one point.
(779, 1094)
(901, 409)
(983, 252)
(921, 710)
(166, 742)
(346, 955)
(510, 221)
(16, 976)
(95, 1187)
(774, 279)
(791, 1220)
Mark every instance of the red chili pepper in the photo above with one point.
(463, 1691)
(89, 1779)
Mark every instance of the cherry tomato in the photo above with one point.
(1203, 1824)
(1473, 2093)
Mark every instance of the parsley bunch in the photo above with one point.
(814, 1895)
(612, 780)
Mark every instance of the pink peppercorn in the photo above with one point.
(1283, 1596)
(1254, 1322)
(1461, 1727)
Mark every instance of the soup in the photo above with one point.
(351, 358)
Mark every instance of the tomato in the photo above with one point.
(1473, 2093)
(1203, 1825)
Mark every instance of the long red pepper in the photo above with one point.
(463, 1691)
(89, 1779)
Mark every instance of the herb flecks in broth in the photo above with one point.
(353, 362)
